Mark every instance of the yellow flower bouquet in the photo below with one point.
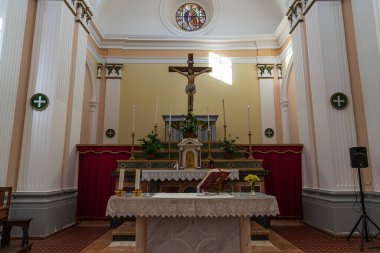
(252, 179)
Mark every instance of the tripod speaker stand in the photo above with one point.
(359, 160)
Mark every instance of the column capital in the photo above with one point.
(295, 14)
(99, 70)
(265, 71)
(81, 10)
(114, 70)
(279, 71)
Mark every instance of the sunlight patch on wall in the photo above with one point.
(221, 68)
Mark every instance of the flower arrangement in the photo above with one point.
(229, 146)
(189, 127)
(252, 179)
(151, 144)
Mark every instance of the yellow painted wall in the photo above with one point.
(143, 83)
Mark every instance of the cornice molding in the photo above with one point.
(176, 60)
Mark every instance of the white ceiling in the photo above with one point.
(120, 22)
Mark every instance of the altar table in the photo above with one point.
(188, 223)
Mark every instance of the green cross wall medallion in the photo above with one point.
(339, 100)
(269, 132)
(110, 133)
(39, 101)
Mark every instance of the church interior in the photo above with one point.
(175, 123)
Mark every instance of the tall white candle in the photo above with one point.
(208, 120)
(155, 119)
(121, 179)
(137, 180)
(170, 119)
(224, 113)
(249, 119)
(133, 118)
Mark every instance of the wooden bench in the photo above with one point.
(7, 227)
(8, 224)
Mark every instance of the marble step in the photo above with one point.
(125, 232)
(258, 232)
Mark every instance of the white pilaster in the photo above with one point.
(334, 129)
(112, 103)
(304, 109)
(12, 26)
(44, 131)
(367, 29)
(268, 118)
(70, 172)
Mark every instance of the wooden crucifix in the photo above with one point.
(190, 72)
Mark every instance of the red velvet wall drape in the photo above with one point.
(96, 184)
(285, 176)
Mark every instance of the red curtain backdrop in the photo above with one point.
(96, 184)
(285, 176)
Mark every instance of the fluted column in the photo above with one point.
(334, 129)
(284, 108)
(303, 96)
(73, 130)
(366, 16)
(44, 131)
(114, 73)
(12, 26)
(268, 118)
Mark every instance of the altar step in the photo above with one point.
(258, 232)
(125, 232)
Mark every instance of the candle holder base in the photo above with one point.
(119, 193)
(136, 193)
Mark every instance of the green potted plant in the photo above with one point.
(151, 144)
(229, 147)
(189, 127)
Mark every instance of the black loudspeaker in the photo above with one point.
(358, 157)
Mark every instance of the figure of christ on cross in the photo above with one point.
(191, 73)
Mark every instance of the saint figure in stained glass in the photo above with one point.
(190, 17)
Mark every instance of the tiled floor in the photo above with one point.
(286, 237)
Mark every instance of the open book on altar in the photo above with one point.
(213, 180)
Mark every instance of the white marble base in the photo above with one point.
(193, 235)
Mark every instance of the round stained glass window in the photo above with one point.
(190, 17)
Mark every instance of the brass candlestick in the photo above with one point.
(225, 131)
(250, 157)
(155, 128)
(119, 193)
(133, 146)
(209, 144)
(169, 143)
(136, 193)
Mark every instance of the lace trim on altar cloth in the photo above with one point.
(177, 175)
(260, 205)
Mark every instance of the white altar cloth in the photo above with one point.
(240, 204)
(165, 195)
(180, 175)
(172, 223)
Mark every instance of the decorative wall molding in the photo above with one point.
(265, 71)
(81, 10)
(114, 71)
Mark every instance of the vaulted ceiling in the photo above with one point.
(128, 23)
